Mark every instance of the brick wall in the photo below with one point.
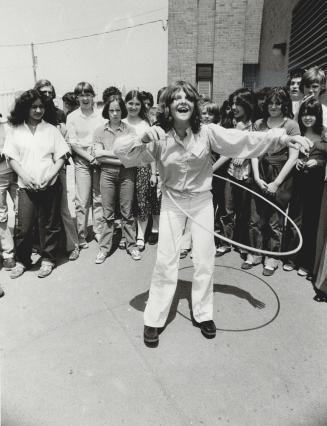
(222, 32)
(253, 20)
(182, 40)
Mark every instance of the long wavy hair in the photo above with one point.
(165, 119)
(281, 95)
(247, 100)
(20, 112)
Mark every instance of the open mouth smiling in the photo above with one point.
(182, 109)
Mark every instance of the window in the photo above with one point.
(204, 78)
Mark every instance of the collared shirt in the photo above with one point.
(35, 153)
(241, 171)
(81, 127)
(185, 165)
(105, 136)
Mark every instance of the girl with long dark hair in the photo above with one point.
(36, 151)
(307, 192)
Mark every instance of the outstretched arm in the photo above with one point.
(238, 143)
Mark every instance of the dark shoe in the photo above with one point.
(268, 272)
(208, 328)
(2, 293)
(9, 263)
(320, 296)
(153, 238)
(45, 270)
(183, 253)
(151, 336)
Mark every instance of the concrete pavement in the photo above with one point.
(73, 352)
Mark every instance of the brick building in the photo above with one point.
(221, 45)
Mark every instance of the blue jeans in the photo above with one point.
(87, 194)
(43, 208)
(117, 182)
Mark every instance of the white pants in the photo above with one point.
(165, 274)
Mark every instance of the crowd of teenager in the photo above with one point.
(41, 140)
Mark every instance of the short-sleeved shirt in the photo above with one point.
(105, 136)
(81, 127)
(35, 153)
(292, 129)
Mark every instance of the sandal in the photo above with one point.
(140, 244)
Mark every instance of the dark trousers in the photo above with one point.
(117, 182)
(41, 208)
(237, 206)
(304, 210)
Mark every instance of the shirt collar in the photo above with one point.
(177, 138)
(40, 124)
(121, 127)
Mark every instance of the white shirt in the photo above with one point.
(139, 128)
(35, 153)
(81, 127)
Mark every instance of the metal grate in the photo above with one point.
(308, 43)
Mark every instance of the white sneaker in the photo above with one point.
(101, 257)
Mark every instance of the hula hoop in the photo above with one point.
(236, 243)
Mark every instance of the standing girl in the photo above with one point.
(273, 178)
(116, 181)
(36, 151)
(236, 200)
(146, 202)
(307, 192)
(81, 125)
(183, 151)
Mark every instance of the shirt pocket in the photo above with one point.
(199, 150)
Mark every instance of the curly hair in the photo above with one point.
(279, 94)
(164, 116)
(311, 107)
(247, 100)
(121, 103)
(20, 112)
(137, 95)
